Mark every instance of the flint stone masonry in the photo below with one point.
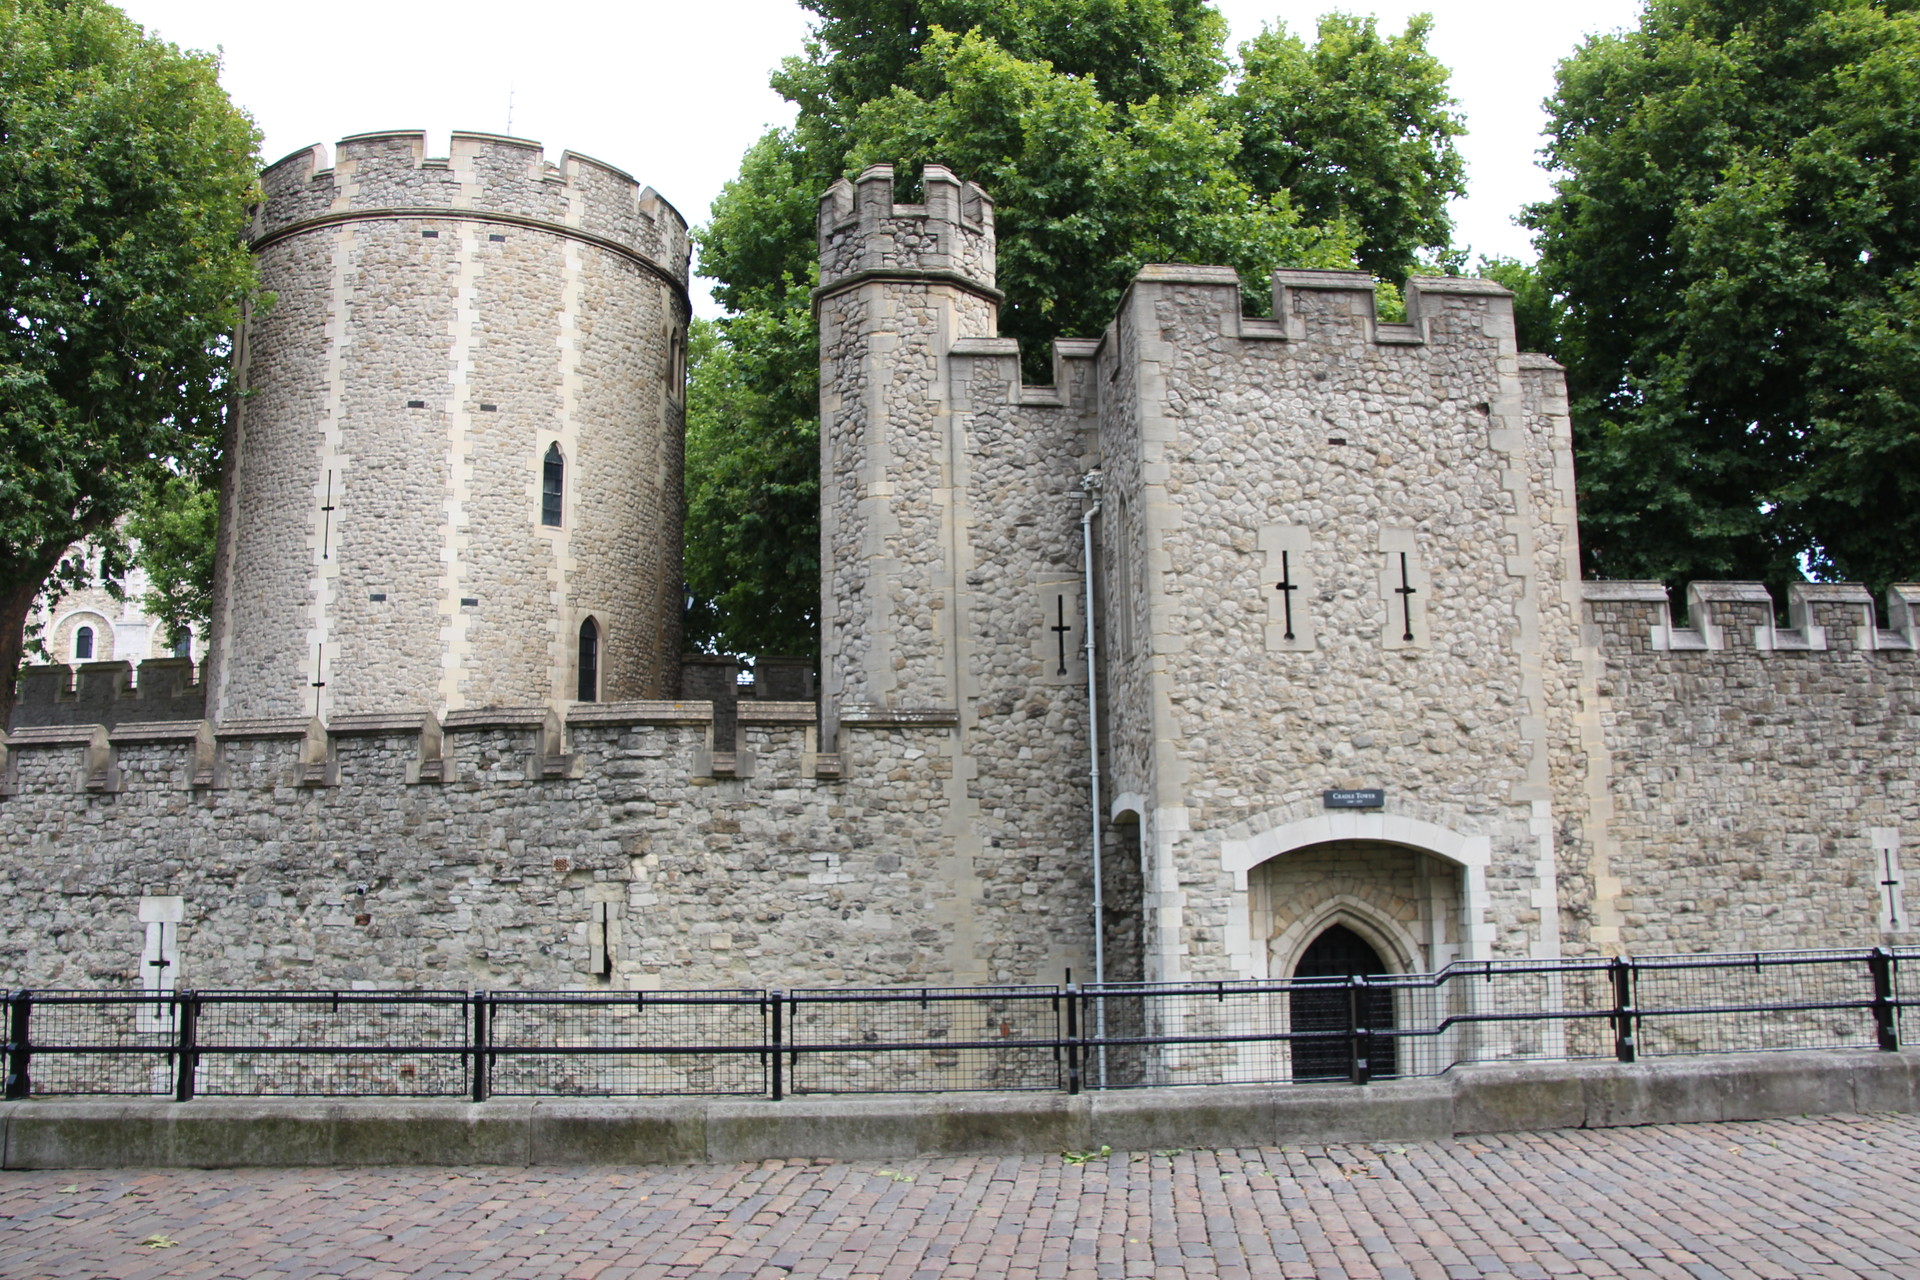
(1567, 768)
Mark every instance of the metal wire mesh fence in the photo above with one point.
(936, 1039)
(359, 1043)
(94, 1042)
(939, 1039)
(1741, 1004)
(636, 1043)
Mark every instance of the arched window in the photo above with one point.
(83, 645)
(553, 483)
(589, 661)
(183, 643)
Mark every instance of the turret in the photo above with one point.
(454, 471)
(900, 285)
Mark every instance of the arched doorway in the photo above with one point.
(1339, 952)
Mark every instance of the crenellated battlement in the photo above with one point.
(1339, 307)
(1072, 388)
(485, 746)
(108, 693)
(865, 235)
(486, 176)
(1732, 616)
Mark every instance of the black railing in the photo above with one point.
(753, 1043)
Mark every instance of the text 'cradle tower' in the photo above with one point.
(454, 472)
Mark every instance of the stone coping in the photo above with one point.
(771, 712)
(690, 712)
(56, 735)
(1731, 592)
(371, 723)
(868, 715)
(496, 718)
(1623, 589)
(265, 727)
(157, 731)
(235, 1133)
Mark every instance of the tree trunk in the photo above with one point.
(17, 594)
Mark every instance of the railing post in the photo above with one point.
(1073, 1039)
(186, 1055)
(482, 1038)
(19, 1047)
(779, 1046)
(1361, 1067)
(1625, 1047)
(1880, 965)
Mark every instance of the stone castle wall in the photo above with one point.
(359, 872)
(1759, 781)
(1562, 769)
(436, 326)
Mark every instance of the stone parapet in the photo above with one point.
(107, 693)
(1339, 307)
(62, 1133)
(1732, 616)
(388, 174)
(865, 235)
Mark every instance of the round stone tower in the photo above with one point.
(453, 475)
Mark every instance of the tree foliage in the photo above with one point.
(175, 535)
(125, 176)
(1736, 234)
(1110, 134)
(1357, 127)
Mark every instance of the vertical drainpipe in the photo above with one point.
(1090, 485)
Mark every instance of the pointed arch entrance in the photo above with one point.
(1339, 952)
(1284, 900)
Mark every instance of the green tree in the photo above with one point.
(1734, 232)
(1104, 130)
(175, 535)
(753, 462)
(125, 176)
(1086, 191)
(1135, 49)
(1357, 127)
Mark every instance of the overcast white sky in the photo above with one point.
(674, 92)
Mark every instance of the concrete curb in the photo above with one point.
(234, 1133)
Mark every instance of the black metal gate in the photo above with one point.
(1339, 1011)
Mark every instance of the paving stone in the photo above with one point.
(1805, 1197)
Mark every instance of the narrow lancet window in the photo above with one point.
(83, 645)
(553, 483)
(183, 643)
(589, 661)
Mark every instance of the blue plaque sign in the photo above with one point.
(1372, 798)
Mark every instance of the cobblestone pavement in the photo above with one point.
(1836, 1196)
